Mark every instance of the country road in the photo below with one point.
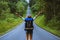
(19, 33)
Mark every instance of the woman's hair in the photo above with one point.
(29, 16)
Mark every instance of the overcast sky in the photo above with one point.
(27, 1)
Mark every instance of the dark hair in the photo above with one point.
(29, 16)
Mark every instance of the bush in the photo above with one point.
(20, 6)
(54, 24)
(3, 5)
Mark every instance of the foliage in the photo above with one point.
(38, 5)
(52, 14)
(20, 6)
(41, 20)
(8, 19)
(52, 9)
(54, 24)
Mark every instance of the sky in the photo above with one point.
(27, 1)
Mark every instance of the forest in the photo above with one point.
(8, 14)
(49, 19)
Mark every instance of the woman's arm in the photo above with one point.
(20, 16)
(37, 15)
(23, 18)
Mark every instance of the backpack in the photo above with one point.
(29, 25)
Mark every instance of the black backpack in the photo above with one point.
(28, 24)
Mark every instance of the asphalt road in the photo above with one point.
(19, 33)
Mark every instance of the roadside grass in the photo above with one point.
(6, 26)
(40, 21)
(9, 20)
(9, 24)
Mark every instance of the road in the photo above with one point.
(19, 33)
